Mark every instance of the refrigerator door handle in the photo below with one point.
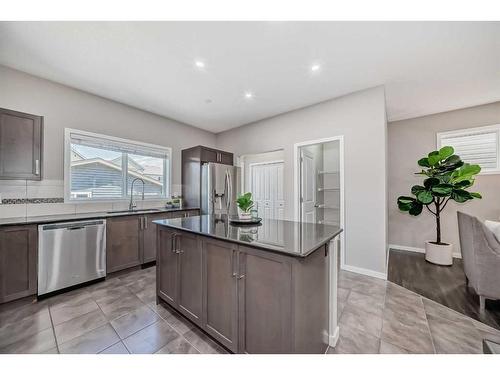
(229, 192)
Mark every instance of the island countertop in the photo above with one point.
(282, 236)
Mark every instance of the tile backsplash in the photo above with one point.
(20, 198)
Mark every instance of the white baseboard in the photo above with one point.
(332, 339)
(364, 271)
(417, 250)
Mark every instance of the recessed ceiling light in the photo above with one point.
(199, 64)
(315, 67)
(248, 95)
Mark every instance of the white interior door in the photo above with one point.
(266, 186)
(308, 186)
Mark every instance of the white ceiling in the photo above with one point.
(426, 67)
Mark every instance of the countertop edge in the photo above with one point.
(293, 255)
(84, 216)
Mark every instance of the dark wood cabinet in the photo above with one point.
(225, 158)
(192, 159)
(179, 272)
(149, 236)
(123, 242)
(18, 262)
(253, 301)
(189, 258)
(209, 155)
(131, 240)
(265, 296)
(220, 293)
(20, 145)
(167, 267)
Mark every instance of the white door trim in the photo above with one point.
(333, 325)
(296, 184)
(306, 153)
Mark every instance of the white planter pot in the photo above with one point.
(439, 254)
(244, 215)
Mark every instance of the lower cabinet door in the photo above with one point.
(149, 236)
(167, 266)
(220, 292)
(265, 302)
(18, 262)
(123, 243)
(189, 252)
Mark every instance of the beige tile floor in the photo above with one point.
(377, 316)
(120, 315)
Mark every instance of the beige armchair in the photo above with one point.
(481, 257)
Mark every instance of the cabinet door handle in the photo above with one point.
(37, 167)
(233, 264)
(240, 277)
(172, 244)
(145, 222)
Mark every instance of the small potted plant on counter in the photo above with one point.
(176, 201)
(447, 178)
(245, 204)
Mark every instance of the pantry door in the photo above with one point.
(266, 183)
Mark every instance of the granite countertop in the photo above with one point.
(84, 216)
(281, 236)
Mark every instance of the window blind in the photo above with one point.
(475, 146)
(118, 146)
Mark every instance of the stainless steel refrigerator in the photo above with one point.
(220, 186)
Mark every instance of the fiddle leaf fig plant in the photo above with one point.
(447, 178)
(245, 202)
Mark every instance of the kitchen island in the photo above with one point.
(269, 288)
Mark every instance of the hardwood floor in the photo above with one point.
(445, 285)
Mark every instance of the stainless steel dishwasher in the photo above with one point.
(70, 253)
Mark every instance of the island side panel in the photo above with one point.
(311, 302)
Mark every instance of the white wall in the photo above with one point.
(360, 118)
(63, 107)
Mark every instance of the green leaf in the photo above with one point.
(425, 197)
(442, 190)
(476, 195)
(405, 203)
(424, 162)
(434, 158)
(430, 182)
(463, 184)
(460, 196)
(465, 172)
(416, 209)
(453, 159)
(446, 152)
(417, 189)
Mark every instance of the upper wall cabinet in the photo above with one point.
(20, 145)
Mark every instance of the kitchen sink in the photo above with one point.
(138, 210)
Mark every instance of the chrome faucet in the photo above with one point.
(132, 205)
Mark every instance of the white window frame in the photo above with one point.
(67, 168)
(472, 131)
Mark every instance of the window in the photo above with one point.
(476, 146)
(99, 167)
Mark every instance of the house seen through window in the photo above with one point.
(103, 168)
